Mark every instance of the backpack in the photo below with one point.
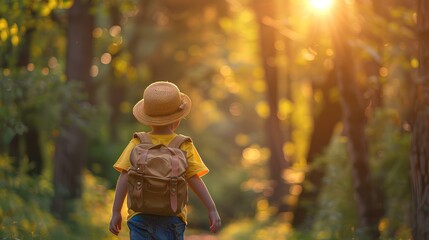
(157, 177)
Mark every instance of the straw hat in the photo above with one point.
(162, 104)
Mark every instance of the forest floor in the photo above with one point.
(202, 237)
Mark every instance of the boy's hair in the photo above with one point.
(162, 104)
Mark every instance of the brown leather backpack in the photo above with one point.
(157, 177)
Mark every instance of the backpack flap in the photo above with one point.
(135, 175)
(135, 188)
(138, 157)
(156, 185)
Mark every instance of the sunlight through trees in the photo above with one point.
(307, 113)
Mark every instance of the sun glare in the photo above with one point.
(321, 5)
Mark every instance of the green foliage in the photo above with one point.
(211, 50)
(18, 21)
(248, 229)
(232, 202)
(40, 101)
(103, 154)
(25, 208)
(336, 210)
(389, 150)
(23, 213)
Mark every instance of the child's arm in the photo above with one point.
(120, 193)
(203, 194)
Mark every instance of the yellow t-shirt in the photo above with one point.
(195, 164)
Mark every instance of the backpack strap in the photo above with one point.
(174, 181)
(179, 140)
(143, 137)
(175, 143)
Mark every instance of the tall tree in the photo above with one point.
(323, 129)
(117, 89)
(70, 152)
(17, 57)
(31, 137)
(354, 123)
(420, 135)
(265, 10)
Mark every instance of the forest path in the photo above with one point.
(201, 237)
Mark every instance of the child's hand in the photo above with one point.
(215, 222)
(115, 223)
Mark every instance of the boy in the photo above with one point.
(162, 108)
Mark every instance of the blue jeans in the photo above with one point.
(153, 227)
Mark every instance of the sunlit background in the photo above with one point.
(266, 118)
(321, 5)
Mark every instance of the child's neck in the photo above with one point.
(161, 130)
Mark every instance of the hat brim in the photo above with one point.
(139, 114)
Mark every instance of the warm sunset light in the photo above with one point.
(321, 5)
(297, 111)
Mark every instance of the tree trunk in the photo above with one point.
(30, 139)
(70, 147)
(277, 164)
(34, 152)
(323, 128)
(287, 71)
(117, 88)
(420, 136)
(354, 125)
(372, 66)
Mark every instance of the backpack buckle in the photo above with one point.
(140, 168)
(174, 180)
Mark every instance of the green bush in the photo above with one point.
(23, 212)
(390, 151)
(336, 215)
(389, 165)
(25, 209)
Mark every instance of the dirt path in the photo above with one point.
(201, 237)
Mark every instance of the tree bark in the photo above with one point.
(323, 128)
(27, 144)
(372, 66)
(354, 125)
(420, 136)
(117, 89)
(70, 147)
(34, 152)
(265, 9)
